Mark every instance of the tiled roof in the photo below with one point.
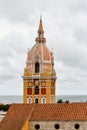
(16, 117)
(40, 49)
(19, 113)
(70, 111)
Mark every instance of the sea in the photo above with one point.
(8, 99)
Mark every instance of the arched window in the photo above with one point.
(37, 68)
(36, 100)
(43, 100)
(29, 100)
(36, 90)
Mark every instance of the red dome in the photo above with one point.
(41, 50)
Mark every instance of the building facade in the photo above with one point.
(39, 78)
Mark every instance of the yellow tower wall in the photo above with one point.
(39, 66)
(26, 126)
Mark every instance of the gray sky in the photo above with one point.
(65, 26)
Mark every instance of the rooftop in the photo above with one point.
(19, 113)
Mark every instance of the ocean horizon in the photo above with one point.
(9, 99)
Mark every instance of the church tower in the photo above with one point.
(39, 78)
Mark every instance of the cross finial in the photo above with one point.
(40, 16)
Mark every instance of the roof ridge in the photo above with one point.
(29, 117)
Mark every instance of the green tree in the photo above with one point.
(60, 101)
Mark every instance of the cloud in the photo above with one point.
(22, 11)
(65, 26)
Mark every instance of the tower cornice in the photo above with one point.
(39, 77)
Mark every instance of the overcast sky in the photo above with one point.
(65, 26)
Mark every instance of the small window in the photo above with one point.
(30, 100)
(36, 90)
(43, 100)
(37, 127)
(36, 67)
(57, 126)
(77, 126)
(36, 100)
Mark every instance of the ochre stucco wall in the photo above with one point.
(64, 125)
(25, 126)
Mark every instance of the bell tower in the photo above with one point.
(39, 78)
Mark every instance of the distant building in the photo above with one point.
(39, 75)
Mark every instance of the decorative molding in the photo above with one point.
(43, 84)
(39, 77)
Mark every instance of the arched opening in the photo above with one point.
(43, 100)
(37, 68)
(30, 100)
(36, 90)
(36, 100)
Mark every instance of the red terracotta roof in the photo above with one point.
(19, 113)
(70, 111)
(16, 117)
(40, 49)
(46, 53)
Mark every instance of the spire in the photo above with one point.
(40, 38)
(40, 29)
